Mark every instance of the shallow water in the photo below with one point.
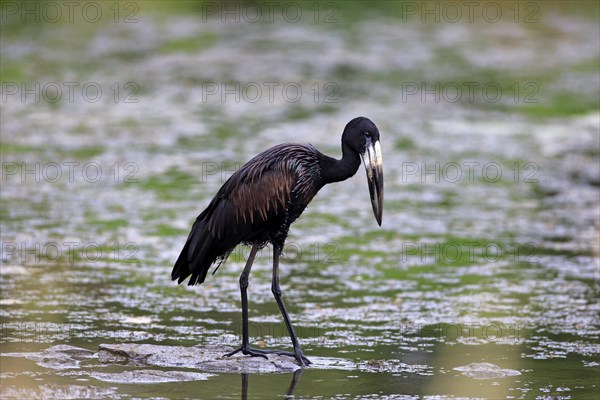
(489, 248)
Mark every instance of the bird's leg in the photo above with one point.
(277, 294)
(246, 349)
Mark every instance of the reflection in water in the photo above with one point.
(294, 382)
(288, 394)
(245, 378)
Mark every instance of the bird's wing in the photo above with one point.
(251, 199)
(250, 204)
(267, 194)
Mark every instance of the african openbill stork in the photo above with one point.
(259, 202)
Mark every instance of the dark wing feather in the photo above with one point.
(255, 201)
(247, 208)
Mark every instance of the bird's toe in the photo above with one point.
(302, 359)
(248, 351)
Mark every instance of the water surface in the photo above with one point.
(489, 248)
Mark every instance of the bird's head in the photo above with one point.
(362, 136)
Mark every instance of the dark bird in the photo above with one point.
(259, 202)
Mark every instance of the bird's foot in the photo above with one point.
(248, 351)
(297, 354)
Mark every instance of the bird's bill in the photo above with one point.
(374, 166)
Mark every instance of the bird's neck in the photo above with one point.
(333, 170)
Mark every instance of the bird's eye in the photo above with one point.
(367, 134)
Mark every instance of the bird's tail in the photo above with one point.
(194, 259)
